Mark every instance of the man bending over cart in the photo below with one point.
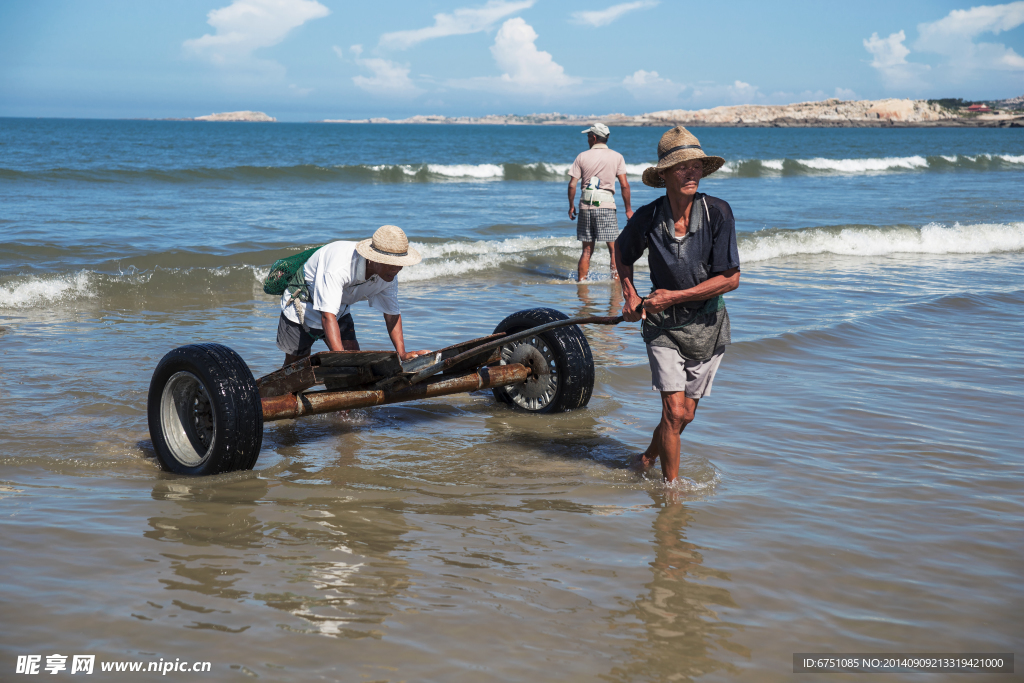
(337, 276)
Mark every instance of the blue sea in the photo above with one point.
(853, 483)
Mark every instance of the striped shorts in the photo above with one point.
(597, 225)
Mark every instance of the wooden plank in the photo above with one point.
(339, 370)
(352, 358)
(288, 380)
(336, 379)
(388, 367)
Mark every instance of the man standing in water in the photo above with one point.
(337, 276)
(599, 167)
(694, 260)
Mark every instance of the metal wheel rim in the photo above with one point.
(187, 419)
(544, 387)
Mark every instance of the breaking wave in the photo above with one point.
(934, 238)
(538, 171)
(35, 291)
(368, 173)
(541, 258)
(752, 168)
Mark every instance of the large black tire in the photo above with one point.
(204, 409)
(562, 365)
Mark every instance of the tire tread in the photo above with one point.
(236, 400)
(574, 358)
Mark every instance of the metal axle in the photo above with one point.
(315, 402)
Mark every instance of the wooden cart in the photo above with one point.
(206, 410)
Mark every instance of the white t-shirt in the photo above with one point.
(336, 277)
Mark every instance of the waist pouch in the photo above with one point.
(596, 197)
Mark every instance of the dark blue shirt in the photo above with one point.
(708, 248)
(696, 329)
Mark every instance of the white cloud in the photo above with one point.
(953, 37)
(845, 94)
(887, 52)
(890, 58)
(388, 78)
(247, 25)
(646, 84)
(523, 64)
(737, 93)
(604, 17)
(460, 22)
(954, 34)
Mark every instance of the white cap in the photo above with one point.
(598, 129)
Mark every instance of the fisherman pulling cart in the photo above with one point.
(693, 258)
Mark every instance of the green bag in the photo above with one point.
(284, 270)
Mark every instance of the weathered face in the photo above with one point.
(683, 177)
(387, 273)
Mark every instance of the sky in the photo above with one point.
(307, 60)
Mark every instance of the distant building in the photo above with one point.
(978, 108)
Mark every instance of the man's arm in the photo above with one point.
(394, 324)
(332, 333)
(572, 198)
(624, 188)
(724, 282)
(628, 248)
(631, 300)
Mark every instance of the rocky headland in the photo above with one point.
(827, 113)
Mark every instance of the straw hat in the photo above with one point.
(389, 245)
(676, 146)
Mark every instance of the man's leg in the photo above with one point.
(674, 377)
(296, 343)
(611, 253)
(583, 268)
(677, 411)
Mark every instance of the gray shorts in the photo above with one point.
(672, 372)
(597, 225)
(294, 340)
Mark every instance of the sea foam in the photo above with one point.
(934, 238)
(870, 165)
(38, 291)
(544, 256)
(446, 259)
(549, 171)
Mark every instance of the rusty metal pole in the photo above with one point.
(439, 366)
(315, 402)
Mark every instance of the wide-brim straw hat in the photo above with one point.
(389, 245)
(676, 146)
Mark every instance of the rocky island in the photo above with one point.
(249, 116)
(827, 113)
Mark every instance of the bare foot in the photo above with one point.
(640, 463)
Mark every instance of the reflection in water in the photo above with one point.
(576, 435)
(604, 342)
(237, 550)
(681, 628)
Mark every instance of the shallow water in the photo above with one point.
(852, 484)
